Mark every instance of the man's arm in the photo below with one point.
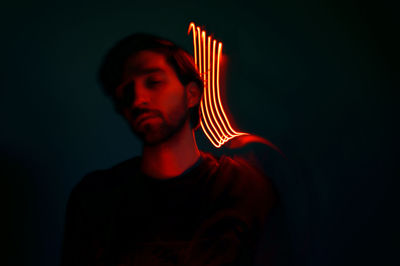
(242, 198)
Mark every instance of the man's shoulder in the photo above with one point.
(240, 177)
(238, 167)
(243, 186)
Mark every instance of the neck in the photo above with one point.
(172, 157)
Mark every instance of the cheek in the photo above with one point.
(173, 100)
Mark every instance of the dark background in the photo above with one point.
(319, 79)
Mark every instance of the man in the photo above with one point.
(174, 205)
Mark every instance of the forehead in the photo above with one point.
(145, 62)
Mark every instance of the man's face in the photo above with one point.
(154, 100)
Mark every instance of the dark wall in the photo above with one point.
(317, 79)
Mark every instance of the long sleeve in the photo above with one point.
(240, 201)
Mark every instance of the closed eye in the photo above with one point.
(154, 83)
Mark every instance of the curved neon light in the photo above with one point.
(214, 121)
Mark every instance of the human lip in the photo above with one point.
(141, 118)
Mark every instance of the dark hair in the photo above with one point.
(110, 72)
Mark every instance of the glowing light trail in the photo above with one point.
(214, 121)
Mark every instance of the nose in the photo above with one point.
(141, 97)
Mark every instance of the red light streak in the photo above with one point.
(191, 26)
(199, 49)
(215, 126)
(211, 80)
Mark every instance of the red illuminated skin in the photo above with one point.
(169, 147)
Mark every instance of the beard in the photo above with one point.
(162, 128)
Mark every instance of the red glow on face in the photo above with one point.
(214, 121)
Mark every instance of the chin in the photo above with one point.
(155, 132)
(152, 135)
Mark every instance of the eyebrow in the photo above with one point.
(138, 71)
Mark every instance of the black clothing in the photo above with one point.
(210, 215)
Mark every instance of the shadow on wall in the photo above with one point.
(28, 225)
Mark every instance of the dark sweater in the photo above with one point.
(210, 215)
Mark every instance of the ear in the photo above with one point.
(193, 94)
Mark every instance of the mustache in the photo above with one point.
(136, 112)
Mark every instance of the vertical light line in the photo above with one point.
(203, 39)
(203, 104)
(208, 136)
(218, 88)
(210, 100)
(206, 96)
(198, 36)
(199, 65)
(207, 125)
(193, 28)
(215, 99)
